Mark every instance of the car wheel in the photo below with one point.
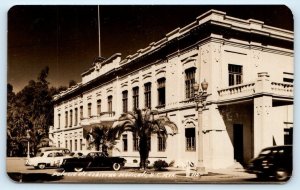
(116, 166)
(78, 169)
(42, 166)
(281, 174)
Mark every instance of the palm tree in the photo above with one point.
(143, 123)
(100, 137)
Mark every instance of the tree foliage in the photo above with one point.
(29, 114)
(72, 83)
(100, 137)
(143, 123)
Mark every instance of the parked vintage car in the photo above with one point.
(65, 151)
(93, 160)
(46, 159)
(274, 162)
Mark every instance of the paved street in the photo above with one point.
(19, 172)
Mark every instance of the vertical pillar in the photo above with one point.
(262, 117)
(262, 123)
(199, 147)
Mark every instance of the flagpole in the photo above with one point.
(99, 31)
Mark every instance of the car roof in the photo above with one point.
(47, 152)
(278, 147)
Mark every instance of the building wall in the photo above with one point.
(210, 57)
(283, 120)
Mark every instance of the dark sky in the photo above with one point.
(65, 38)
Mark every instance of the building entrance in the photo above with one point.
(238, 142)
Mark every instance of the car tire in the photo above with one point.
(116, 166)
(281, 174)
(78, 169)
(41, 166)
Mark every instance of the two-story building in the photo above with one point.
(249, 69)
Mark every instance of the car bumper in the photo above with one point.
(254, 171)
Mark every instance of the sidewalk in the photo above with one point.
(230, 172)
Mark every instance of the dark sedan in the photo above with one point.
(93, 160)
(274, 162)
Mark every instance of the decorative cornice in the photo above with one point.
(181, 39)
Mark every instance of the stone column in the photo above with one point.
(262, 117)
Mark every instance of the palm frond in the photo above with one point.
(164, 122)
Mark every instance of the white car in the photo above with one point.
(47, 159)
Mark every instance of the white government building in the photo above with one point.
(249, 69)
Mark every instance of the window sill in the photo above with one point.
(160, 106)
(190, 150)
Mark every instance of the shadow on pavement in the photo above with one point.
(33, 177)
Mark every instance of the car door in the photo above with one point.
(100, 161)
(91, 158)
(106, 161)
(49, 159)
(58, 158)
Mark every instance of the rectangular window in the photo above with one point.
(136, 140)
(58, 144)
(58, 121)
(161, 143)
(76, 116)
(66, 119)
(161, 91)
(71, 146)
(148, 95)
(288, 77)
(75, 145)
(125, 143)
(189, 81)
(89, 109)
(71, 118)
(235, 74)
(80, 141)
(81, 112)
(190, 139)
(135, 97)
(109, 102)
(125, 101)
(66, 143)
(98, 107)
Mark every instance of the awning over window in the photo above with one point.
(90, 128)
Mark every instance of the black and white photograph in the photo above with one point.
(155, 94)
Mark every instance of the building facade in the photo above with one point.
(249, 69)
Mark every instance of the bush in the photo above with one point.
(160, 165)
(171, 164)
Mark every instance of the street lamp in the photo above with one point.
(200, 99)
(28, 146)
